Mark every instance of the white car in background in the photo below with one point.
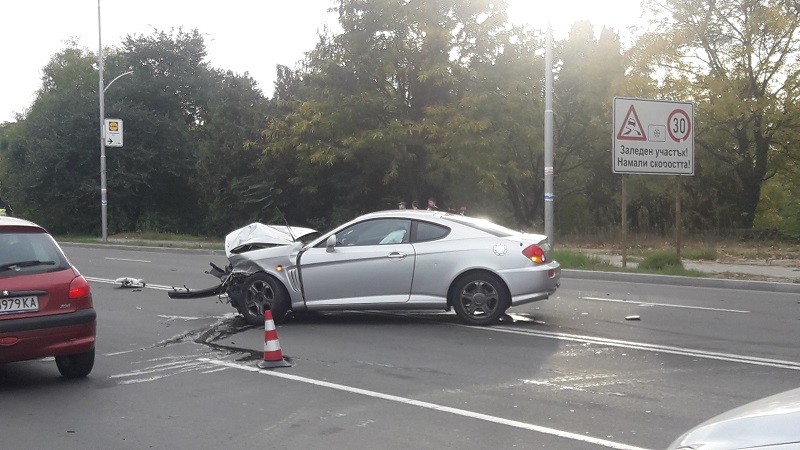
(772, 423)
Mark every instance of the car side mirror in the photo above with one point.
(331, 243)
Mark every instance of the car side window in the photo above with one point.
(429, 232)
(375, 232)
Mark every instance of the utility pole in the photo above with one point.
(548, 137)
(101, 91)
(102, 94)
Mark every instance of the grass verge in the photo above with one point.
(656, 264)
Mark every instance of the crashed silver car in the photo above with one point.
(769, 423)
(389, 260)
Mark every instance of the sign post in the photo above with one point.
(652, 137)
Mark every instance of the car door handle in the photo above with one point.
(397, 256)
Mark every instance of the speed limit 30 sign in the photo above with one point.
(653, 137)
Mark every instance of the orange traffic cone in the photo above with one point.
(273, 357)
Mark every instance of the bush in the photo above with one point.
(660, 261)
(704, 254)
(581, 261)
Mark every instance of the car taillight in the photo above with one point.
(535, 254)
(79, 289)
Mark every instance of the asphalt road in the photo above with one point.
(602, 364)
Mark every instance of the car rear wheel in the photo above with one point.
(75, 366)
(259, 293)
(480, 299)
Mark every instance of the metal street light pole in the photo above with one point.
(101, 90)
(548, 138)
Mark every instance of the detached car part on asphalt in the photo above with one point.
(771, 423)
(389, 260)
(46, 305)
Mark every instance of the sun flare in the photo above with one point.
(561, 14)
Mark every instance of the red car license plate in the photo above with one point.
(16, 305)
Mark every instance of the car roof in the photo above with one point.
(410, 213)
(17, 223)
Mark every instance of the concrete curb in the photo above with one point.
(720, 283)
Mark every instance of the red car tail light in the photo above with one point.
(535, 254)
(79, 290)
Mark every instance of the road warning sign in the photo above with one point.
(631, 128)
(653, 137)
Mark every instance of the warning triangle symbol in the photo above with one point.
(631, 129)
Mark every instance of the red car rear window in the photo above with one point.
(23, 253)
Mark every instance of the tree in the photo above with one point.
(227, 177)
(359, 129)
(591, 70)
(51, 156)
(739, 61)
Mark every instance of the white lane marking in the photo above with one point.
(752, 360)
(633, 302)
(119, 353)
(427, 405)
(131, 260)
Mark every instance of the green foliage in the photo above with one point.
(364, 124)
(660, 261)
(703, 254)
(48, 165)
(415, 99)
(581, 261)
(744, 85)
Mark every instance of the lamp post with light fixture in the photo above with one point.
(549, 196)
(102, 92)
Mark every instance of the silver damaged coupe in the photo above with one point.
(389, 260)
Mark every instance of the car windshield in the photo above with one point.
(482, 224)
(26, 253)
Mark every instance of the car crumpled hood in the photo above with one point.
(768, 421)
(259, 233)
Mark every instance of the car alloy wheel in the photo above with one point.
(259, 293)
(480, 299)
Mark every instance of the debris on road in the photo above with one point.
(633, 318)
(128, 282)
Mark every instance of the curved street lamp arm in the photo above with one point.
(117, 78)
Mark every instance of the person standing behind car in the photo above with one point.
(5, 208)
(432, 204)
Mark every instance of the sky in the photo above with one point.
(241, 35)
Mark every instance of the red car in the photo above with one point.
(45, 303)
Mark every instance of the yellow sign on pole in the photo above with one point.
(113, 133)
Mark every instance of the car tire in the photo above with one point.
(76, 366)
(260, 292)
(480, 299)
